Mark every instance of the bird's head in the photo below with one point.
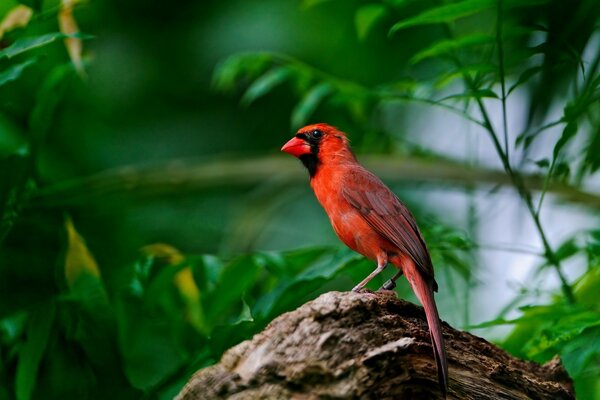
(318, 143)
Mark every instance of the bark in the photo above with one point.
(370, 346)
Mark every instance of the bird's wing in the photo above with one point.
(387, 215)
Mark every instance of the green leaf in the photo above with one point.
(566, 250)
(29, 43)
(543, 163)
(366, 17)
(264, 84)
(480, 93)
(14, 71)
(568, 133)
(35, 4)
(481, 70)
(562, 331)
(561, 171)
(39, 328)
(228, 72)
(225, 336)
(524, 77)
(592, 158)
(444, 14)
(235, 280)
(12, 138)
(309, 103)
(306, 4)
(580, 352)
(48, 97)
(444, 47)
(148, 350)
(13, 189)
(292, 293)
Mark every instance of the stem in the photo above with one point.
(545, 187)
(516, 178)
(502, 75)
(526, 196)
(383, 94)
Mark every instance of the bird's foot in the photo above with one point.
(388, 285)
(357, 288)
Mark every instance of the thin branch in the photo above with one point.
(196, 175)
(500, 45)
(438, 103)
(520, 186)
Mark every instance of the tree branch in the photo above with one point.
(183, 176)
(367, 345)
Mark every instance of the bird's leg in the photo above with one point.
(391, 283)
(381, 264)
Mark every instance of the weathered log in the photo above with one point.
(365, 345)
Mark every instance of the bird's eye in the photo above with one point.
(316, 134)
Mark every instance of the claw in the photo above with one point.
(389, 285)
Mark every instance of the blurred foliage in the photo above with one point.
(125, 296)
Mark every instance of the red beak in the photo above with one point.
(296, 147)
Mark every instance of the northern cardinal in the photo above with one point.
(369, 219)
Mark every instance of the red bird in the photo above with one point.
(369, 219)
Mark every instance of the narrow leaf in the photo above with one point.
(447, 46)
(235, 280)
(35, 4)
(15, 71)
(543, 163)
(482, 70)
(48, 97)
(480, 93)
(306, 4)
(307, 106)
(568, 133)
(247, 65)
(38, 332)
(366, 17)
(568, 249)
(79, 261)
(29, 43)
(524, 77)
(69, 27)
(264, 84)
(18, 17)
(444, 14)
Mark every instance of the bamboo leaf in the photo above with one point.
(48, 97)
(592, 158)
(35, 4)
(15, 71)
(445, 14)
(366, 18)
(480, 93)
(307, 106)
(29, 43)
(447, 46)
(306, 4)
(524, 77)
(482, 70)
(568, 133)
(235, 280)
(18, 17)
(68, 26)
(39, 328)
(79, 261)
(265, 84)
(543, 163)
(229, 71)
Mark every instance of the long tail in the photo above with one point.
(424, 292)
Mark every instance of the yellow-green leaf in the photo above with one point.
(444, 14)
